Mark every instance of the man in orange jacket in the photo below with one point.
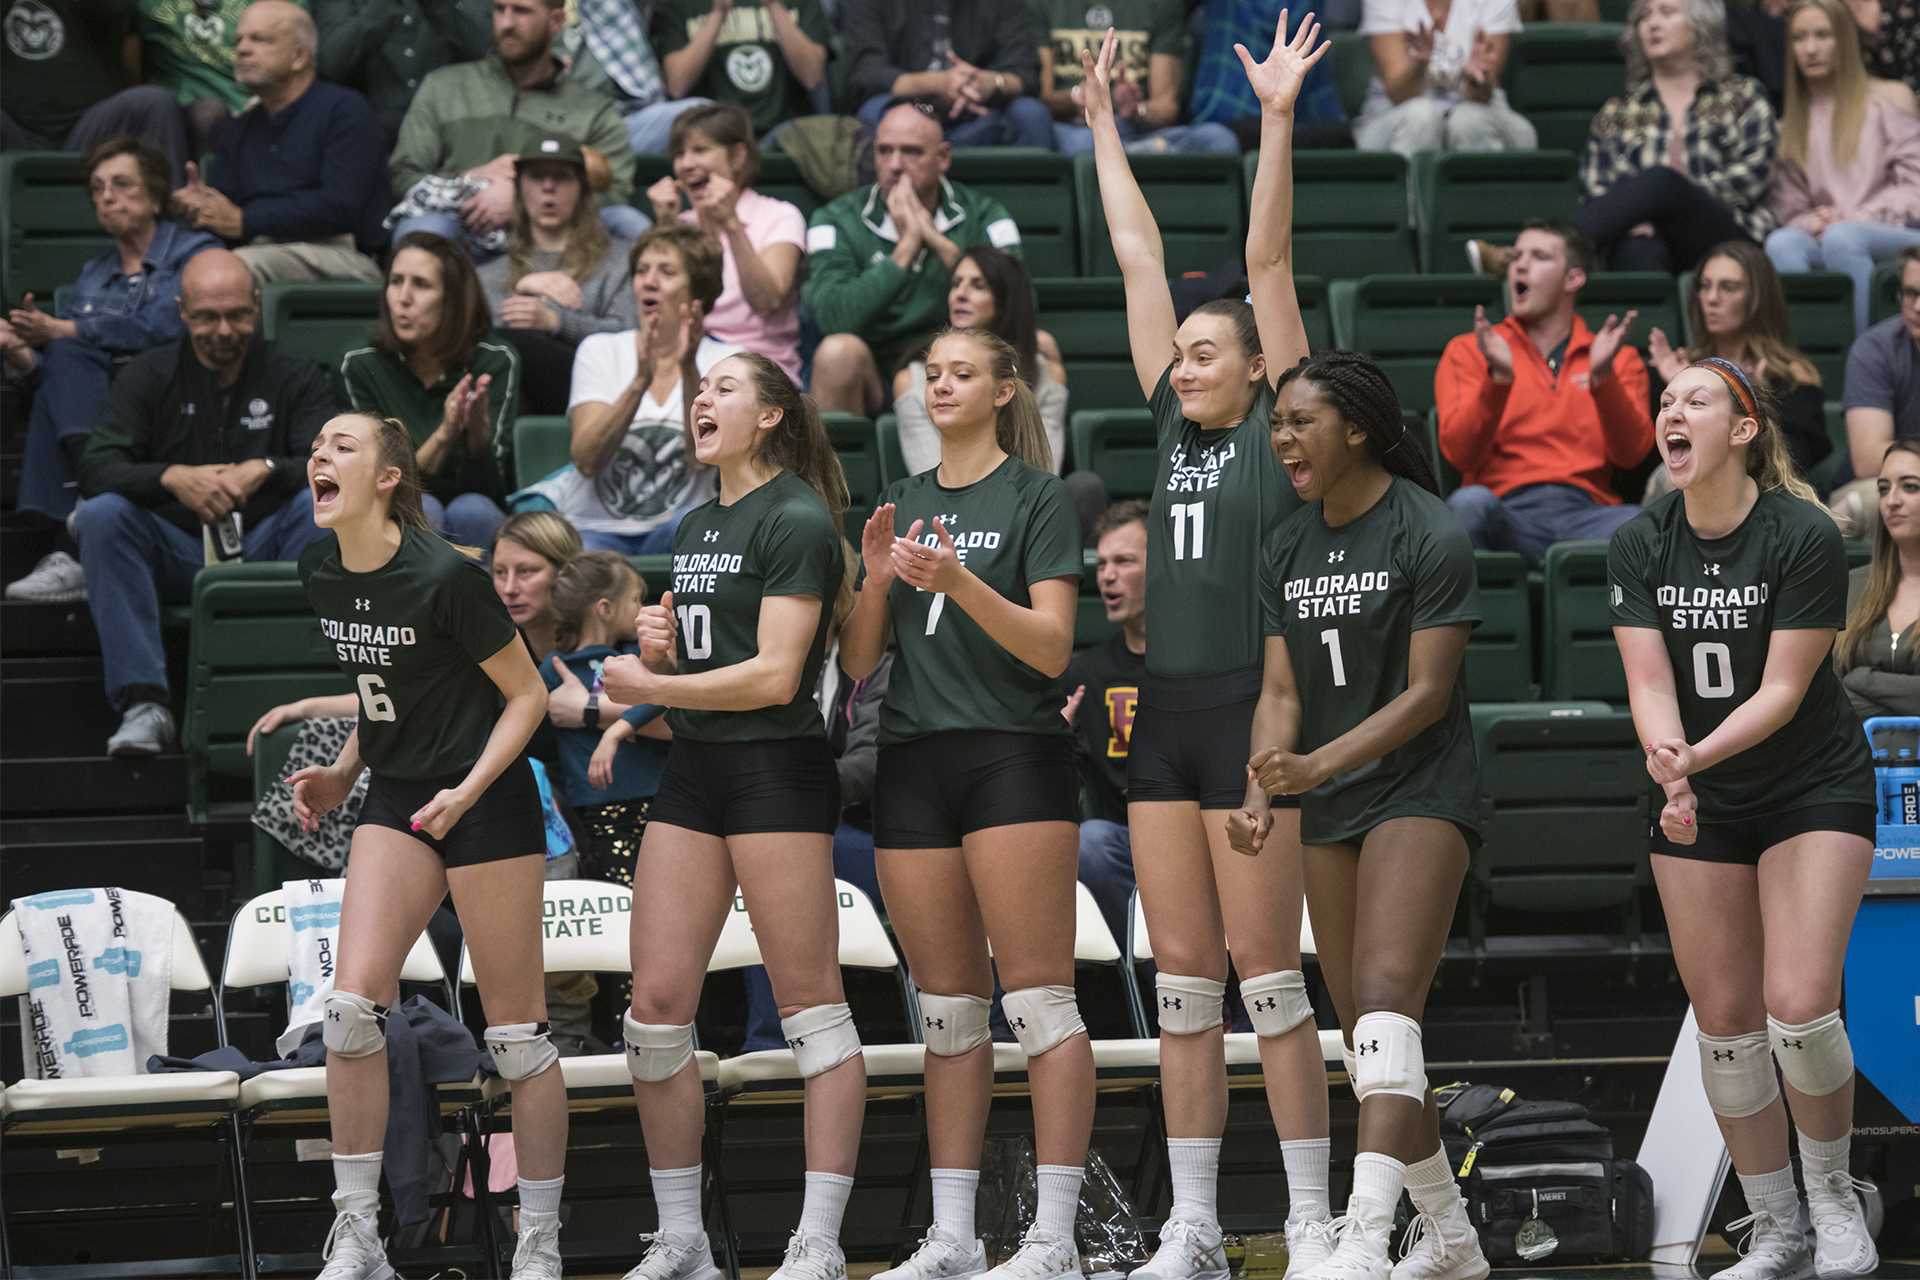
(1536, 411)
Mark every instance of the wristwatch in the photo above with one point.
(590, 714)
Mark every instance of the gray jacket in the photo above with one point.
(606, 295)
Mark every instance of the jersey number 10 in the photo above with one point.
(696, 630)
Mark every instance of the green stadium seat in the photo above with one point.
(272, 863)
(656, 571)
(1884, 300)
(1402, 322)
(1820, 313)
(1567, 827)
(893, 462)
(1615, 10)
(47, 225)
(1352, 69)
(1349, 212)
(320, 319)
(255, 645)
(1499, 659)
(1859, 553)
(1197, 200)
(541, 446)
(1836, 411)
(1578, 656)
(1462, 196)
(1560, 73)
(858, 445)
(1429, 427)
(1037, 188)
(1089, 318)
(1651, 293)
(1120, 446)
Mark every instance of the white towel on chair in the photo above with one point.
(313, 940)
(99, 973)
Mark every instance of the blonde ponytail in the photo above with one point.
(1017, 426)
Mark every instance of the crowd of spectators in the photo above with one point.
(479, 160)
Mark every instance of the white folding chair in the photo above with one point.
(892, 1069)
(584, 929)
(99, 1110)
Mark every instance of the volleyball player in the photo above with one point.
(1218, 490)
(1727, 594)
(975, 566)
(750, 798)
(448, 699)
(1368, 595)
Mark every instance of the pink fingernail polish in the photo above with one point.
(416, 826)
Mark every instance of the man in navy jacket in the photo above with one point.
(298, 186)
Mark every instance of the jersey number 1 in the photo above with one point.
(375, 703)
(1189, 515)
(1331, 638)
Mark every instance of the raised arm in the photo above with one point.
(1130, 226)
(1276, 82)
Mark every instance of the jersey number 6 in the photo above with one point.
(376, 704)
(696, 630)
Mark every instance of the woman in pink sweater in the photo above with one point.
(1846, 183)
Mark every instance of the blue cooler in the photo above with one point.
(1883, 955)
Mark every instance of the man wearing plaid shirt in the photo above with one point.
(610, 52)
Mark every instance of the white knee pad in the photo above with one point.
(1738, 1073)
(1188, 1005)
(1042, 1017)
(354, 1026)
(1276, 1002)
(1816, 1057)
(656, 1051)
(821, 1037)
(1352, 1065)
(954, 1024)
(1388, 1057)
(521, 1050)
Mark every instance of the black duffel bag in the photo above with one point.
(1541, 1180)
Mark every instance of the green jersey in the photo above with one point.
(1348, 599)
(1141, 28)
(1013, 527)
(1717, 603)
(1216, 495)
(779, 540)
(411, 635)
(746, 66)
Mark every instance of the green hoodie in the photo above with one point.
(466, 114)
(855, 286)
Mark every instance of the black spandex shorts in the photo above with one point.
(1745, 839)
(506, 822)
(748, 788)
(930, 792)
(1193, 754)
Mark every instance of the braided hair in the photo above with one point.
(1361, 394)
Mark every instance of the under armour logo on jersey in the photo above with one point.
(1711, 570)
(1723, 1055)
(362, 603)
(1366, 1047)
(1792, 1044)
(1336, 557)
(1170, 1002)
(1266, 1004)
(711, 535)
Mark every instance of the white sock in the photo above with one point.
(954, 1192)
(825, 1204)
(1430, 1183)
(1059, 1199)
(541, 1195)
(1774, 1193)
(1196, 1178)
(677, 1193)
(1818, 1159)
(1306, 1160)
(356, 1183)
(1377, 1180)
